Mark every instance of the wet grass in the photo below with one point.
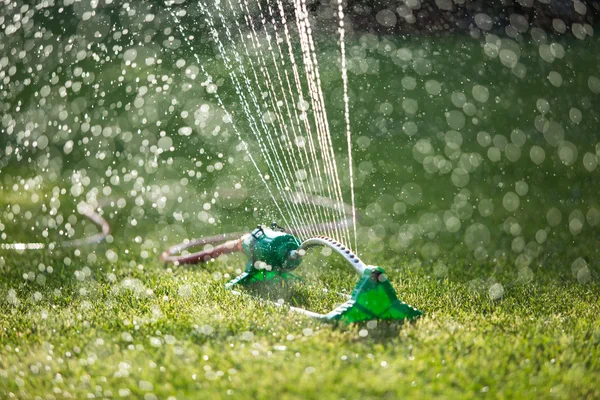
(118, 329)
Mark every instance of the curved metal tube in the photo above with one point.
(339, 248)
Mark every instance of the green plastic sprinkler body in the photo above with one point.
(373, 297)
(272, 254)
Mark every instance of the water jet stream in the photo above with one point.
(296, 159)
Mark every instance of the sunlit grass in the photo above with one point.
(123, 329)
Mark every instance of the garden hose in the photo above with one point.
(228, 243)
(231, 242)
(90, 213)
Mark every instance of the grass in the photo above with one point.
(159, 333)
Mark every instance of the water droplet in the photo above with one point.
(483, 21)
(481, 93)
(408, 82)
(455, 119)
(496, 291)
(554, 216)
(594, 84)
(410, 128)
(411, 193)
(184, 290)
(537, 154)
(458, 99)
(510, 201)
(484, 139)
(433, 87)
(508, 58)
(386, 18)
(410, 106)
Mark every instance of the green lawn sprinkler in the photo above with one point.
(273, 254)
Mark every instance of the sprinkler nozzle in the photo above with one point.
(294, 255)
(274, 226)
(273, 247)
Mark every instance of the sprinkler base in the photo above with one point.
(373, 297)
(273, 253)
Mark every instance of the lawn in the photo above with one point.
(118, 329)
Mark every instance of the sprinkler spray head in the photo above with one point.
(272, 255)
(274, 227)
(271, 247)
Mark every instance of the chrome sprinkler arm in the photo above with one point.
(339, 248)
(373, 296)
